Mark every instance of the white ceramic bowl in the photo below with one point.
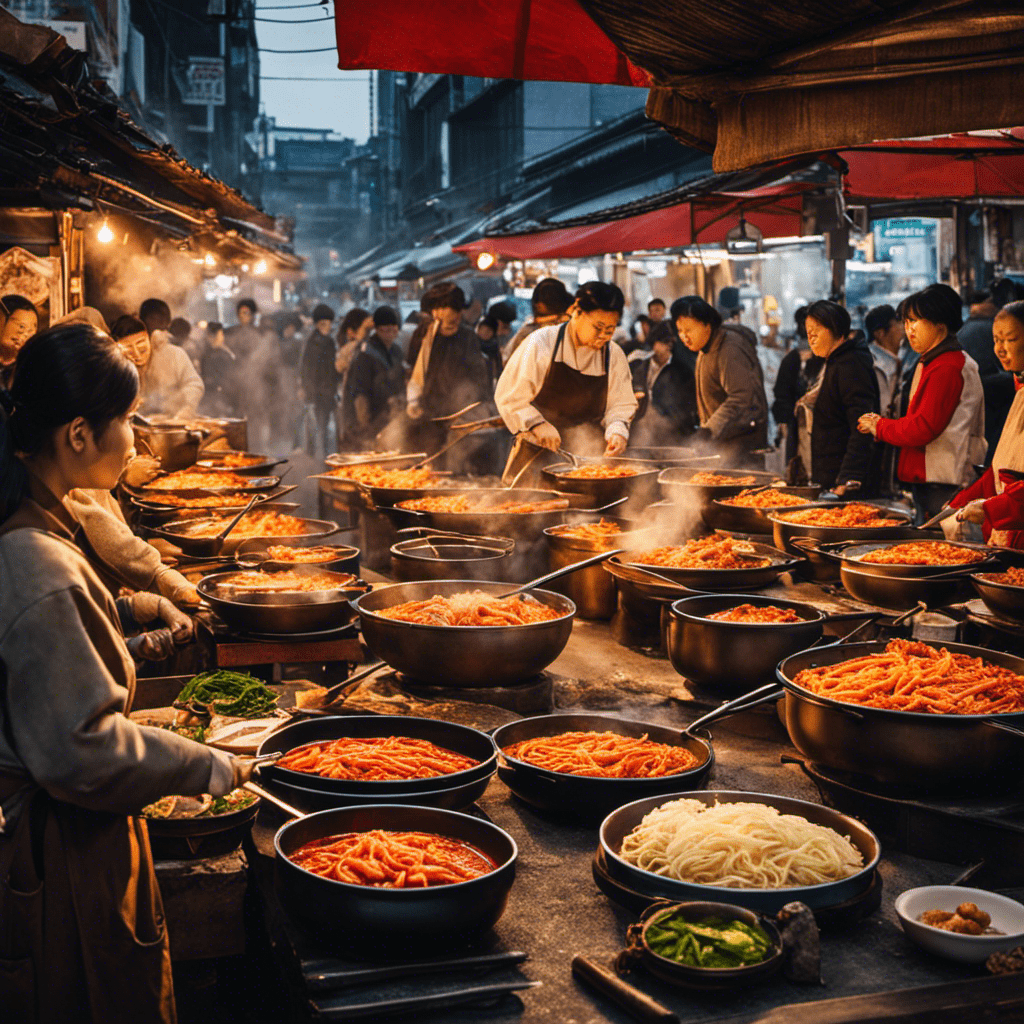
(1007, 917)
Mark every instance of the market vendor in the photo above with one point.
(567, 387)
(731, 400)
(19, 320)
(91, 944)
(995, 502)
(169, 383)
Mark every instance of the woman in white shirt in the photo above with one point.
(566, 387)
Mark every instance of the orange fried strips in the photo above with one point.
(375, 759)
(605, 755)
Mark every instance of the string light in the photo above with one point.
(104, 235)
(485, 261)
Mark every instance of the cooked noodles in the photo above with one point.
(254, 524)
(703, 553)
(738, 846)
(393, 860)
(473, 608)
(381, 476)
(465, 503)
(600, 472)
(771, 498)
(317, 553)
(204, 501)
(752, 613)
(375, 759)
(287, 582)
(705, 478)
(855, 514)
(927, 552)
(604, 755)
(600, 532)
(912, 676)
(1013, 577)
(193, 479)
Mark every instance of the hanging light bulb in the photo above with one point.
(104, 235)
(210, 260)
(485, 260)
(261, 267)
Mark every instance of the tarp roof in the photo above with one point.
(752, 82)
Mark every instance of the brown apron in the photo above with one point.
(574, 403)
(82, 930)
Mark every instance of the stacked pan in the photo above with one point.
(311, 792)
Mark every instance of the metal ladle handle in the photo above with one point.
(263, 794)
(601, 556)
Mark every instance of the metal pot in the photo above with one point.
(640, 487)
(719, 515)
(283, 613)
(261, 467)
(675, 484)
(436, 555)
(621, 822)
(735, 654)
(724, 579)
(462, 656)
(252, 554)
(234, 430)
(851, 553)
(178, 533)
(904, 591)
(459, 738)
(412, 922)
(1003, 599)
(585, 797)
(592, 590)
(175, 445)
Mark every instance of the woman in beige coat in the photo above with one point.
(82, 933)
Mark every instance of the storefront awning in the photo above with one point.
(776, 211)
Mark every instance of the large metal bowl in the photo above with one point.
(462, 656)
(904, 592)
(584, 797)
(675, 483)
(602, 491)
(786, 532)
(719, 515)
(723, 579)
(410, 922)
(298, 612)
(180, 534)
(735, 654)
(1003, 599)
(459, 738)
(852, 554)
(437, 555)
(620, 823)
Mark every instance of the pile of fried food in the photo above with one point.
(705, 478)
(756, 614)
(855, 514)
(194, 479)
(381, 476)
(770, 498)
(600, 472)
(968, 919)
(703, 553)
(255, 524)
(927, 552)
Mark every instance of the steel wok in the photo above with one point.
(603, 490)
(1004, 599)
(675, 483)
(179, 534)
(424, 554)
(719, 515)
(462, 656)
(724, 579)
(851, 553)
(252, 554)
(296, 612)
(906, 750)
(901, 592)
(410, 923)
(585, 797)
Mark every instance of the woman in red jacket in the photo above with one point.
(942, 436)
(996, 501)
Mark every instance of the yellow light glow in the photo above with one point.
(210, 260)
(260, 268)
(485, 260)
(104, 235)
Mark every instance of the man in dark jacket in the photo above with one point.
(668, 385)
(975, 339)
(375, 385)
(318, 378)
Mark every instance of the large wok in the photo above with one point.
(724, 579)
(906, 750)
(719, 515)
(491, 523)
(261, 467)
(253, 483)
(179, 534)
(385, 497)
(462, 656)
(1003, 599)
(297, 612)
(640, 487)
(584, 797)
(620, 823)
(252, 554)
(411, 923)
(459, 738)
(852, 553)
(675, 483)
(423, 554)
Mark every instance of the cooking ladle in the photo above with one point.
(559, 573)
(941, 516)
(468, 430)
(218, 541)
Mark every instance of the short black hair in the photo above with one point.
(503, 311)
(878, 319)
(352, 321)
(1014, 309)
(12, 303)
(126, 325)
(155, 307)
(385, 316)
(938, 304)
(600, 295)
(213, 327)
(180, 327)
(694, 307)
(246, 304)
(552, 295)
(831, 316)
(445, 295)
(488, 321)
(323, 312)
(656, 302)
(800, 319)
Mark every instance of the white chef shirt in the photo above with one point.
(523, 377)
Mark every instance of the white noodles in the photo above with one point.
(738, 846)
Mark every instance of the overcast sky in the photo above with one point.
(341, 104)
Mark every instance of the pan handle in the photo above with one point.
(263, 794)
(813, 546)
(762, 695)
(1003, 727)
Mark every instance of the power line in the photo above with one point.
(323, 49)
(290, 78)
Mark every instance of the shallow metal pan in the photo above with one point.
(584, 797)
(640, 487)
(675, 483)
(214, 460)
(725, 579)
(851, 554)
(177, 533)
(718, 515)
(1004, 599)
(254, 483)
(621, 822)
(902, 592)
(252, 554)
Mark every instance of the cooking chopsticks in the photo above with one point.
(330, 976)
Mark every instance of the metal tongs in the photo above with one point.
(465, 429)
(941, 516)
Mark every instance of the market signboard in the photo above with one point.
(203, 83)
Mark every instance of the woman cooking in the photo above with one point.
(995, 502)
(567, 379)
(82, 934)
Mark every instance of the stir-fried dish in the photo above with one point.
(855, 514)
(752, 613)
(703, 553)
(469, 503)
(770, 498)
(286, 582)
(603, 755)
(381, 476)
(923, 552)
(193, 479)
(473, 608)
(255, 524)
(317, 553)
(705, 478)
(600, 472)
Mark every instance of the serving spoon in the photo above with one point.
(559, 573)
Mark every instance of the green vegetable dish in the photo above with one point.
(236, 694)
(708, 941)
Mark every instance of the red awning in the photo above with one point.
(776, 211)
(544, 40)
(980, 165)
